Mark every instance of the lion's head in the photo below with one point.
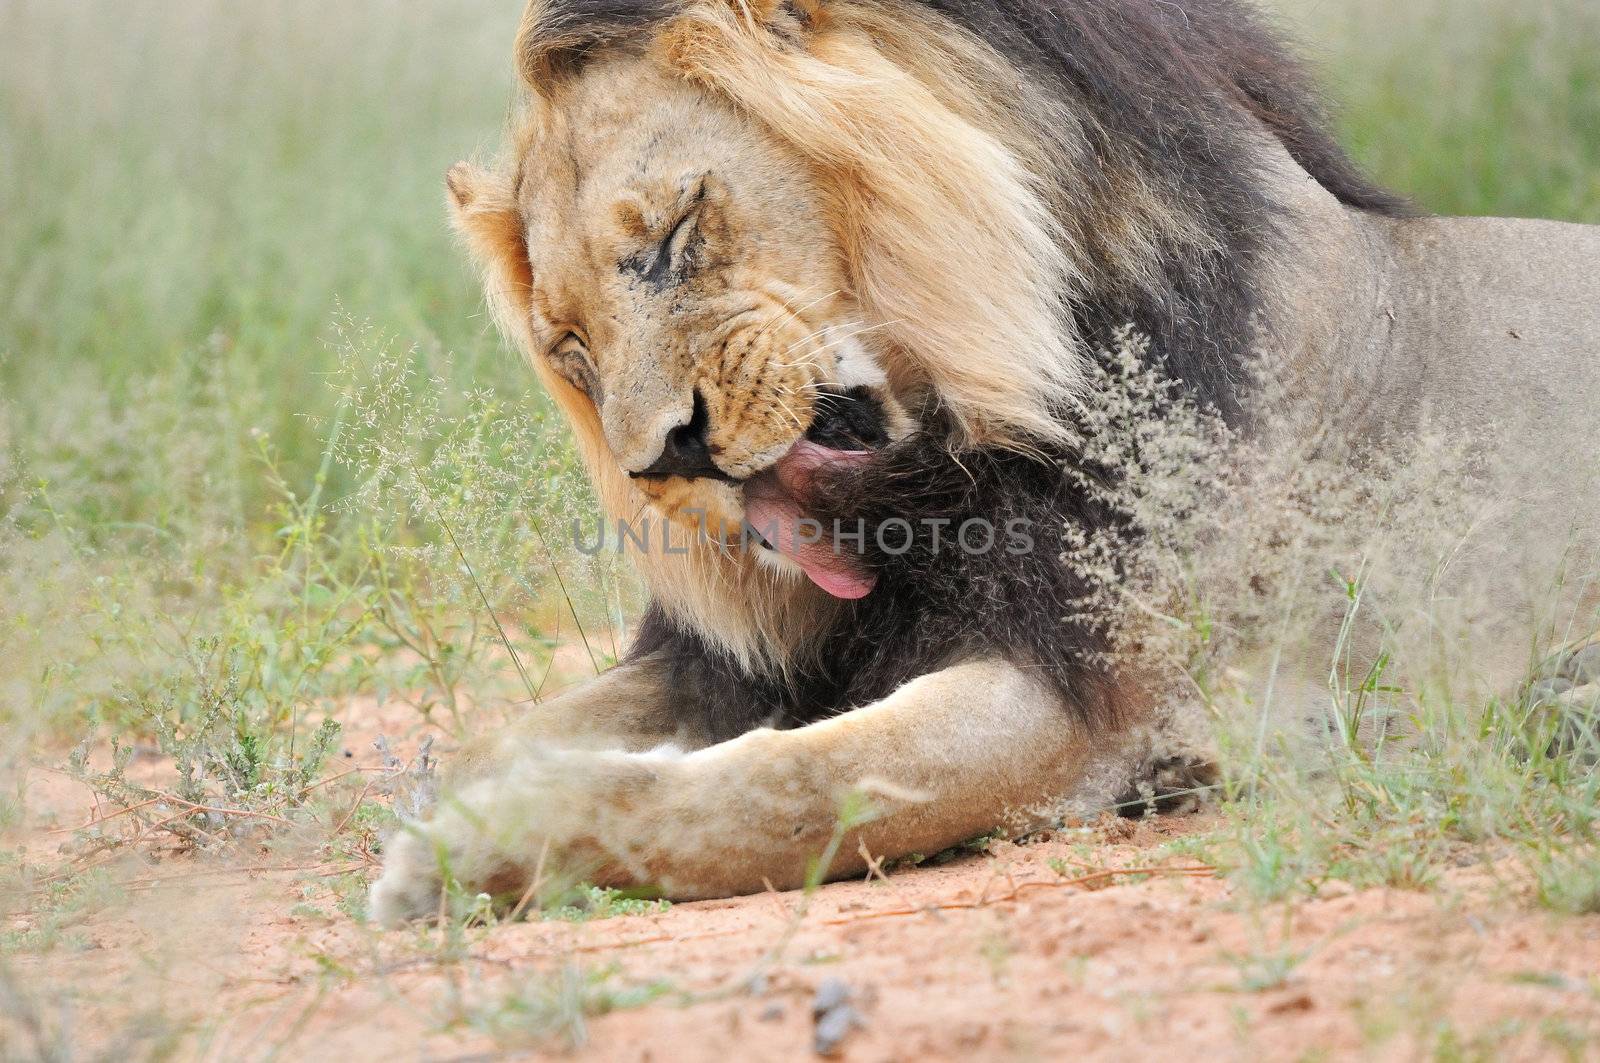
(724, 225)
(684, 287)
(705, 263)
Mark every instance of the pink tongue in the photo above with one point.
(777, 515)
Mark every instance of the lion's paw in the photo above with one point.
(563, 815)
(411, 885)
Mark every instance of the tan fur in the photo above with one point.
(978, 745)
(872, 171)
(904, 196)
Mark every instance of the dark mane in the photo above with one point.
(934, 604)
(1156, 73)
(1165, 77)
(1183, 89)
(1179, 94)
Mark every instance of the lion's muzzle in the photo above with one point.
(686, 451)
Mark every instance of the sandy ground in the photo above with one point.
(1041, 951)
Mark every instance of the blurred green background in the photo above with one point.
(198, 185)
(202, 201)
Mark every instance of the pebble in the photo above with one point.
(834, 1016)
(833, 1027)
(832, 993)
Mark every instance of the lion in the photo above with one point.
(798, 264)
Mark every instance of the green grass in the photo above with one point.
(221, 226)
(595, 902)
(191, 190)
(553, 1010)
(1470, 108)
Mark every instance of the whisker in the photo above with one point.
(791, 314)
(804, 339)
(831, 344)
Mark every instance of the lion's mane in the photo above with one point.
(1012, 182)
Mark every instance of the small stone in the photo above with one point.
(831, 994)
(834, 1015)
(833, 1027)
(1584, 666)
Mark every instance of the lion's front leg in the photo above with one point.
(947, 756)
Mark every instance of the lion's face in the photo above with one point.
(683, 281)
(738, 241)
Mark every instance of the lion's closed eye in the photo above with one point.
(670, 260)
(680, 234)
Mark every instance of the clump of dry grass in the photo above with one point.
(205, 679)
(1360, 619)
(489, 485)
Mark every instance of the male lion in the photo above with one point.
(852, 260)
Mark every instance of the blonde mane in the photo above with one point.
(977, 211)
(948, 230)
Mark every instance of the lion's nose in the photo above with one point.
(685, 451)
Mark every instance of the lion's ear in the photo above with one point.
(483, 209)
(463, 180)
